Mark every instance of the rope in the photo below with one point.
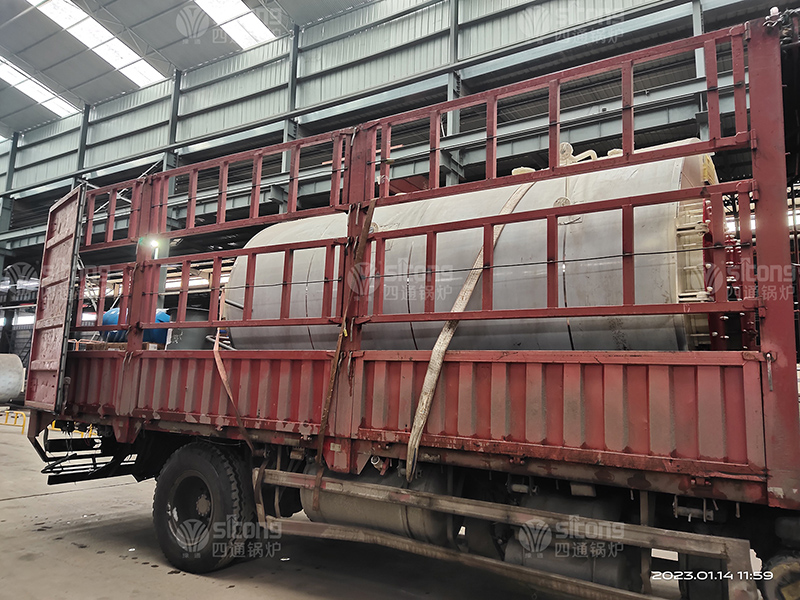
(446, 335)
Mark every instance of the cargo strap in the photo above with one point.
(446, 335)
(336, 360)
(223, 374)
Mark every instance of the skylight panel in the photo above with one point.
(10, 74)
(248, 30)
(117, 54)
(223, 11)
(35, 90)
(237, 20)
(91, 33)
(63, 12)
(60, 106)
(141, 73)
(99, 39)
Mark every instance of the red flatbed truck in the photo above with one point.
(695, 451)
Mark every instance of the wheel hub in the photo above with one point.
(203, 505)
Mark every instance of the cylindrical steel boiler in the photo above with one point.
(668, 263)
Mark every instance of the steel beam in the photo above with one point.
(541, 580)
(493, 61)
(82, 137)
(735, 552)
(12, 161)
(657, 108)
(781, 426)
(175, 101)
(294, 55)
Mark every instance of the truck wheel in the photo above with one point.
(785, 582)
(202, 503)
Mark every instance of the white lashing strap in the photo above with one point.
(446, 335)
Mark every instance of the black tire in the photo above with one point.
(785, 584)
(202, 500)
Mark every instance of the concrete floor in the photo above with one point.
(95, 540)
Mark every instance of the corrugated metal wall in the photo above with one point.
(389, 51)
(518, 21)
(377, 44)
(48, 151)
(129, 125)
(238, 90)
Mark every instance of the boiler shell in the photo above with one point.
(590, 271)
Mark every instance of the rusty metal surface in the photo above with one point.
(781, 424)
(651, 410)
(676, 415)
(282, 393)
(681, 413)
(636, 535)
(54, 303)
(541, 580)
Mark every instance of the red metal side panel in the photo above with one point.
(54, 304)
(630, 410)
(280, 391)
(777, 342)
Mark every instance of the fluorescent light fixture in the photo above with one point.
(35, 90)
(174, 284)
(97, 38)
(23, 320)
(237, 20)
